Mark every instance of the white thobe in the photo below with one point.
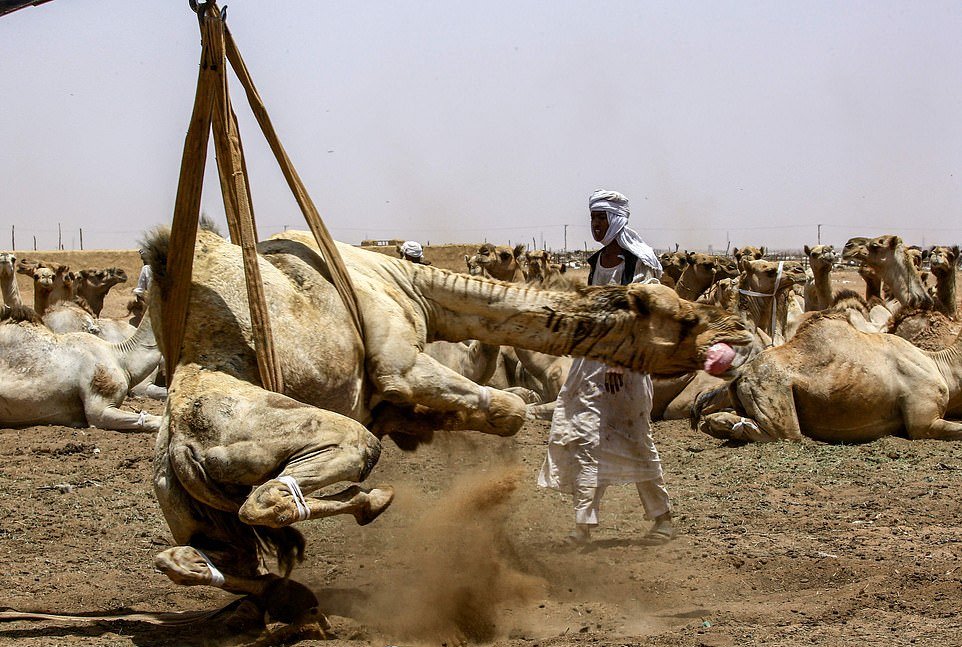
(599, 439)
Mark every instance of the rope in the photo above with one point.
(752, 293)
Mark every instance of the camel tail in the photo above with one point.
(713, 400)
(156, 243)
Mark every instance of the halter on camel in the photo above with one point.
(752, 293)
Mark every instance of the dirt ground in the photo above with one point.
(779, 544)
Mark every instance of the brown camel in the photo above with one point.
(888, 256)
(818, 293)
(944, 261)
(540, 272)
(52, 283)
(501, 262)
(834, 383)
(672, 266)
(703, 271)
(93, 285)
(236, 466)
(749, 253)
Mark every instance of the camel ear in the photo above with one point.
(640, 303)
(925, 253)
(894, 242)
(955, 251)
(807, 250)
(761, 251)
(518, 250)
(734, 251)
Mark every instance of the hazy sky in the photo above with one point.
(459, 122)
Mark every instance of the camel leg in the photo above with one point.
(281, 502)
(925, 421)
(772, 407)
(103, 414)
(432, 385)
(730, 426)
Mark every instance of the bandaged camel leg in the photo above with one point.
(771, 416)
(436, 397)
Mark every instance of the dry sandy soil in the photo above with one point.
(779, 544)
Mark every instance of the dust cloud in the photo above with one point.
(462, 567)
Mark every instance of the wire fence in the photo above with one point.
(549, 236)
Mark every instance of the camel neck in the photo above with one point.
(11, 291)
(592, 323)
(692, 283)
(904, 281)
(949, 362)
(945, 292)
(823, 285)
(139, 354)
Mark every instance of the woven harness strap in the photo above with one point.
(752, 293)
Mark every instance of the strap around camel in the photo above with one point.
(212, 110)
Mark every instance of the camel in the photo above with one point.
(8, 280)
(856, 249)
(672, 266)
(818, 293)
(943, 262)
(93, 285)
(749, 253)
(703, 271)
(764, 291)
(52, 283)
(887, 255)
(502, 263)
(834, 383)
(236, 465)
(73, 379)
(541, 273)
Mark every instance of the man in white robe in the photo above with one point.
(601, 428)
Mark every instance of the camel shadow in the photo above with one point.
(207, 632)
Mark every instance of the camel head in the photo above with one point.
(725, 268)
(703, 265)
(47, 277)
(748, 252)
(474, 265)
(821, 257)
(680, 332)
(760, 276)
(942, 259)
(43, 278)
(856, 249)
(8, 265)
(884, 250)
(916, 255)
(102, 280)
(500, 262)
(26, 266)
(673, 263)
(538, 264)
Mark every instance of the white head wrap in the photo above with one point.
(616, 206)
(412, 248)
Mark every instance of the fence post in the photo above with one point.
(13, 238)
(81, 239)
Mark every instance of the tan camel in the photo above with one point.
(93, 285)
(8, 280)
(672, 266)
(856, 249)
(236, 465)
(818, 293)
(73, 379)
(703, 271)
(748, 252)
(887, 255)
(764, 292)
(540, 272)
(502, 263)
(52, 283)
(806, 388)
(943, 262)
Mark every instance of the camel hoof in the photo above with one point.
(378, 501)
(291, 602)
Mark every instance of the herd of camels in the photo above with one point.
(236, 466)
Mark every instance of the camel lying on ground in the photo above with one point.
(236, 465)
(74, 379)
(834, 383)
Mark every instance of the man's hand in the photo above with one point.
(614, 379)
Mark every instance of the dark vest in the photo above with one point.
(629, 272)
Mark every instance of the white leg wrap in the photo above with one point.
(216, 577)
(142, 419)
(485, 397)
(745, 422)
(303, 512)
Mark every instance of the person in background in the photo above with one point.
(411, 251)
(601, 429)
(145, 278)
